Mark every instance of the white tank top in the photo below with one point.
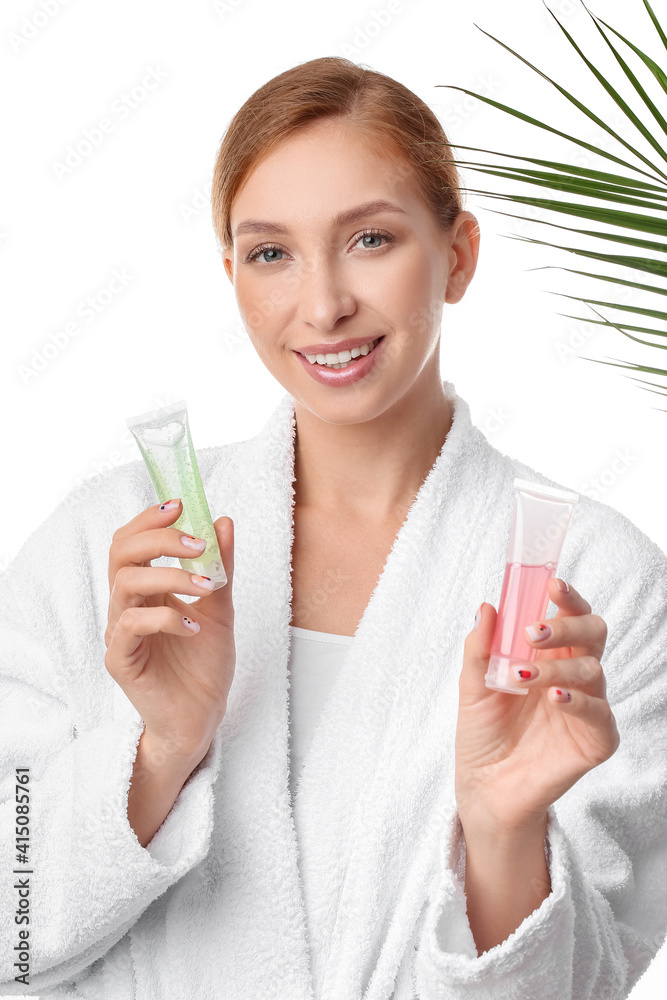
(314, 662)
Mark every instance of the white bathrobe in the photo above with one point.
(225, 901)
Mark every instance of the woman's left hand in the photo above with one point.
(517, 754)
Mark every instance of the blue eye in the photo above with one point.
(270, 248)
(267, 248)
(374, 234)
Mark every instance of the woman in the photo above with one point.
(326, 800)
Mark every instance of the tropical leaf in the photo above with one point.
(612, 200)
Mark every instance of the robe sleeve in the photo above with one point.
(605, 919)
(88, 877)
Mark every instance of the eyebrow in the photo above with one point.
(342, 219)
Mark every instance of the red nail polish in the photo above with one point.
(524, 674)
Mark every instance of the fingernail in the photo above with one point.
(170, 505)
(524, 674)
(562, 695)
(193, 543)
(538, 632)
(202, 581)
(562, 585)
(191, 624)
(478, 617)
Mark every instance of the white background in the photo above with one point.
(138, 204)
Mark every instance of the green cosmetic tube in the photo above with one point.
(164, 440)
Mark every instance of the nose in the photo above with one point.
(324, 294)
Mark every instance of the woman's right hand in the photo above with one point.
(176, 678)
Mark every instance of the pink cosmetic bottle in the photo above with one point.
(540, 518)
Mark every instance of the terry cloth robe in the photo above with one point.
(368, 902)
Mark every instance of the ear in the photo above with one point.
(229, 266)
(464, 253)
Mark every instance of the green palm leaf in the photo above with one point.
(656, 313)
(615, 237)
(613, 200)
(606, 277)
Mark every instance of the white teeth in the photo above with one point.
(343, 358)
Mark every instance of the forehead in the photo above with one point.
(321, 169)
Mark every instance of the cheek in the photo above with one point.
(407, 298)
(260, 306)
(257, 310)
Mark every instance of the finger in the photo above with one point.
(131, 627)
(584, 673)
(157, 516)
(570, 601)
(220, 603)
(476, 652)
(603, 737)
(140, 547)
(224, 529)
(133, 584)
(585, 634)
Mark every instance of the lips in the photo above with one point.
(343, 345)
(342, 377)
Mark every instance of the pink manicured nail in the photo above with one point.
(478, 617)
(191, 542)
(538, 632)
(562, 695)
(562, 585)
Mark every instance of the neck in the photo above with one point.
(371, 471)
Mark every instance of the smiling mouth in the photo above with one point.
(332, 360)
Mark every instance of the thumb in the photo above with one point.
(224, 530)
(476, 652)
(219, 602)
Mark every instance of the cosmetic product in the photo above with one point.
(540, 518)
(164, 440)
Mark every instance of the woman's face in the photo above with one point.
(306, 279)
